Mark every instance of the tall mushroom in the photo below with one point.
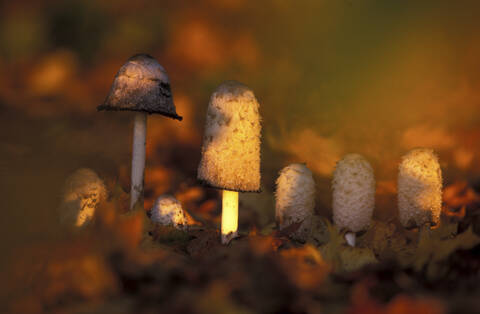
(295, 199)
(141, 85)
(231, 149)
(353, 195)
(419, 189)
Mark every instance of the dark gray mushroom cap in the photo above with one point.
(141, 84)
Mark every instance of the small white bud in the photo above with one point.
(167, 210)
(419, 188)
(353, 193)
(83, 191)
(295, 199)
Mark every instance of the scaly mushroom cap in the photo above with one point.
(141, 84)
(83, 191)
(353, 193)
(419, 188)
(295, 199)
(168, 211)
(231, 144)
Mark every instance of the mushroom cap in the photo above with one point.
(83, 191)
(141, 84)
(167, 210)
(231, 144)
(419, 188)
(353, 187)
(295, 199)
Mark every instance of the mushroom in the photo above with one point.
(83, 191)
(295, 199)
(419, 189)
(141, 85)
(353, 195)
(167, 210)
(231, 149)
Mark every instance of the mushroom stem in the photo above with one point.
(229, 215)
(423, 232)
(138, 158)
(350, 238)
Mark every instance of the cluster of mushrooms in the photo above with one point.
(230, 161)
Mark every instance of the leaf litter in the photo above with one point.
(123, 263)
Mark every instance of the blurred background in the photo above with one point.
(332, 77)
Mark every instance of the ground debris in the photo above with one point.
(123, 263)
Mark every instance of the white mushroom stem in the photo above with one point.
(138, 157)
(229, 216)
(350, 238)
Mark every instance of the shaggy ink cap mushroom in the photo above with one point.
(231, 149)
(419, 188)
(142, 85)
(83, 191)
(353, 195)
(295, 199)
(167, 210)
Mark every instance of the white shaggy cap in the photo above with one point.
(295, 199)
(83, 191)
(231, 145)
(353, 193)
(419, 188)
(168, 211)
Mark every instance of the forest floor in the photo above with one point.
(122, 263)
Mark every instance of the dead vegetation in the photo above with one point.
(123, 263)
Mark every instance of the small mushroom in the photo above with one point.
(83, 191)
(231, 149)
(295, 199)
(168, 211)
(141, 85)
(419, 189)
(353, 195)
